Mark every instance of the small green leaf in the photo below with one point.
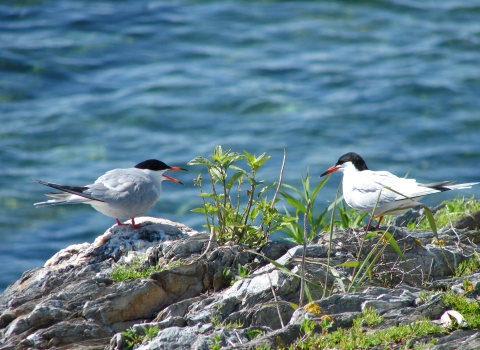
(254, 212)
(394, 245)
(294, 202)
(217, 175)
(255, 182)
(239, 169)
(351, 263)
(210, 195)
(318, 187)
(218, 151)
(260, 161)
(233, 179)
(371, 234)
(266, 188)
(431, 220)
(281, 302)
(307, 292)
(292, 188)
(200, 160)
(250, 158)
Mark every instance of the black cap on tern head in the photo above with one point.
(356, 160)
(152, 164)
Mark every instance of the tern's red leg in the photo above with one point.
(379, 221)
(369, 225)
(120, 223)
(134, 225)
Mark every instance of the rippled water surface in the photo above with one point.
(90, 86)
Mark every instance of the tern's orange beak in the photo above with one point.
(172, 178)
(330, 170)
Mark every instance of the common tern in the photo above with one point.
(119, 193)
(362, 188)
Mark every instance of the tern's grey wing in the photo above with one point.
(124, 186)
(371, 188)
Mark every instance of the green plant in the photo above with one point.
(150, 333)
(469, 266)
(235, 325)
(470, 309)
(135, 269)
(132, 338)
(371, 317)
(467, 285)
(216, 341)
(363, 269)
(326, 323)
(300, 204)
(349, 218)
(263, 347)
(253, 333)
(425, 296)
(357, 338)
(453, 209)
(226, 273)
(307, 325)
(232, 215)
(243, 271)
(215, 320)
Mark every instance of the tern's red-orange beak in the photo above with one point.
(330, 170)
(172, 178)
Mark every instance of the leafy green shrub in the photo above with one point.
(236, 214)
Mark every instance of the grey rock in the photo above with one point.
(469, 222)
(181, 338)
(268, 316)
(72, 299)
(459, 339)
(73, 302)
(275, 249)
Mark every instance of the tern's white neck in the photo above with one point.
(350, 174)
(348, 168)
(155, 175)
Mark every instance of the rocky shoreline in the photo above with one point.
(72, 302)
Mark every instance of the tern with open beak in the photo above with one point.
(119, 193)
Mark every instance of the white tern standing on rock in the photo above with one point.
(119, 193)
(362, 188)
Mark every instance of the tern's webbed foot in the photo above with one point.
(119, 223)
(134, 225)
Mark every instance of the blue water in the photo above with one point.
(86, 87)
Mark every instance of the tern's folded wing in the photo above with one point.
(118, 186)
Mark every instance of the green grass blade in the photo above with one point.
(281, 302)
(293, 201)
(393, 243)
(352, 263)
(319, 187)
(431, 220)
(293, 189)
